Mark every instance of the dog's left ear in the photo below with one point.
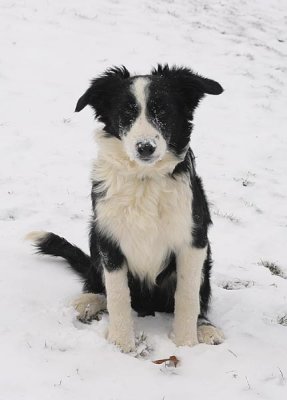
(190, 86)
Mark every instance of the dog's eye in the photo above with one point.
(158, 109)
(130, 110)
(160, 113)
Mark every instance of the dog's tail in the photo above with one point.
(54, 245)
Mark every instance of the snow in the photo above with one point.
(49, 52)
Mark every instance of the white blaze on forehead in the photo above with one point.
(142, 130)
(139, 89)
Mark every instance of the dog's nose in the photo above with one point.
(145, 148)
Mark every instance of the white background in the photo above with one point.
(48, 53)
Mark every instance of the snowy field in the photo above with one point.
(49, 52)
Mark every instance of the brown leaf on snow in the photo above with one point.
(171, 361)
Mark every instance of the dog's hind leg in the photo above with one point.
(208, 333)
(89, 305)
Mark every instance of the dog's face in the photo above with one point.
(150, 114)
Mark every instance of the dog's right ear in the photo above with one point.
(102, 90)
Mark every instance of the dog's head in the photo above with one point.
(150, 114)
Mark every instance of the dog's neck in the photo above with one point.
(112, 159)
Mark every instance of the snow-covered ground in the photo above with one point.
(49, 51)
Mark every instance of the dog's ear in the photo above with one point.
(190, 86)
(102, 90)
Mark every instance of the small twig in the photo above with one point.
(249, 387)
(282, 376)
(230, 351)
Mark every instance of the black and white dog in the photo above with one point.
(148, 238)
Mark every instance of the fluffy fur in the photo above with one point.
(148, 237)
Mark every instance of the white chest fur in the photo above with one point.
(148, 216)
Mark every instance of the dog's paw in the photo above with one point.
(88, 306)
(183, 340)
(126, 343)
(209, 334)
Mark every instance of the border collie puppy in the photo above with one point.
(148, 237)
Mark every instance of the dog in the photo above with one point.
(149, 247)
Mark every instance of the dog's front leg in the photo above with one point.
(187, 301)
(121, 331)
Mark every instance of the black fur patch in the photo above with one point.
(111, 98)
